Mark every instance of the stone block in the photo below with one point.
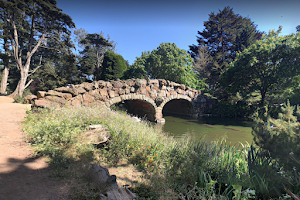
(103, 92)
(121, 91)
(117, 84)
(80, 90)
(132, 89)
(117, 100)
(87, 98)
(182, 86)
(111, 93)
(141, 82)
(57, 99)
(41, 94)
(44, 103)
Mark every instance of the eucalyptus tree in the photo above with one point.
(268, 64)
(30, 23)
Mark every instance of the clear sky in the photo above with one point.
(141, 25)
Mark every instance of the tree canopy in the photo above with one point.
(114, 66)
(266, 65)
(30, 23)
(168, 62)
(225, 34)
(91, 57)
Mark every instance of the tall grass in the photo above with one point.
(181, 169)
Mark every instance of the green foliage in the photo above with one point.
(225, 34)
(276, 165)
(281, 142)
(31, 23)
(267, 65)
(92, 56)
(229, 109)
(176, 168)
(167, 62)
(114, 66)
(137, 69)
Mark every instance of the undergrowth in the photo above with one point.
(177, 169)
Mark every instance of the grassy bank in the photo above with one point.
(175, 169)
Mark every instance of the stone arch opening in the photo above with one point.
(178, 107)
(140, 108)
(137, 107)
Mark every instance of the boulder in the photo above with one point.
(87, 98)
(44, 103)
(66, 96)
(141, 83)
(30, 99)
(41, 94)
(72, 91)
(80, 90)
(56, 99)
(107, 183)
(96, 134)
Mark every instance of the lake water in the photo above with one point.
(233, 129)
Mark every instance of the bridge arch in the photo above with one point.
(159, 110)
(136, 105)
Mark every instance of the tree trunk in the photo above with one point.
(22, 82)
(5, 72)
(4, 80)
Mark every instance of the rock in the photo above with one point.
(107, 184)
(132, 89)
(182, 87)
(158, 100)
(80, 90)
(96, 136)
(41, 94)
(130, 82)
(117, 84)
(103, 92)
(30, 99)
(44, 103)
(111, 94)
(72, 91)
(56, 99)
(162, 82)
(66, 96)
(88, 86)
(87, 98)
(141, 83)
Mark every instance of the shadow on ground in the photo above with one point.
(25, 183)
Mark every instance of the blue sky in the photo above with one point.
(138, 26)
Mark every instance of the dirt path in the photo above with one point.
(23, 176)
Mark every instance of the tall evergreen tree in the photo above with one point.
(114, 66)
(94, 47)
(225, 33)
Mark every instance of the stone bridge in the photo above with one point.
(144, 98)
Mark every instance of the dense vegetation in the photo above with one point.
(177, 168)
(248, 71)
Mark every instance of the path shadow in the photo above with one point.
(25, 183)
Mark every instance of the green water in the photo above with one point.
(214, 128)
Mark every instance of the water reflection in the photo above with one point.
(214, 128)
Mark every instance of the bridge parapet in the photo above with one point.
(156, 92)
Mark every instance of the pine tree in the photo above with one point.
(225, 33)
